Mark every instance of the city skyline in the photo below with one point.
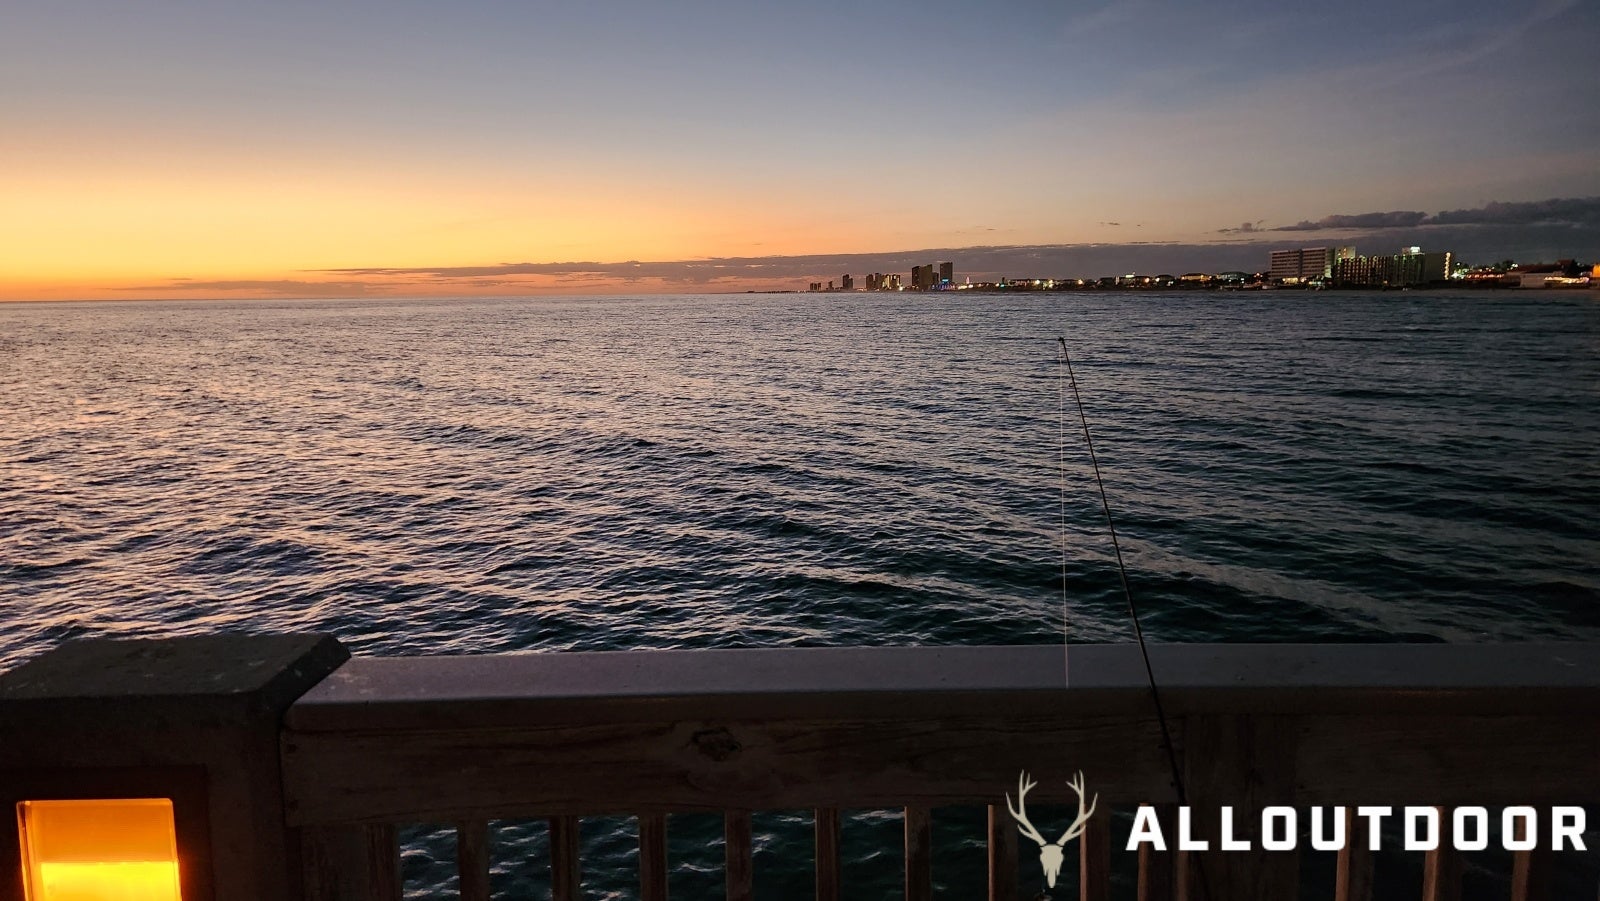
(364, 148)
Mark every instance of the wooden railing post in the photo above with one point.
(194, 719)
(1094, 857)
(566, 873)
(1246, 763)
(1353, 878)
(472, 860)
(1156, 868)
(1530, 870)
(351, 863)
(827, 862)
(1441, 867)
(1002, 855)
(919, 854)
(740, 874)
(653, 857)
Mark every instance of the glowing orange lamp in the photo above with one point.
(148, 769)
(123, 849)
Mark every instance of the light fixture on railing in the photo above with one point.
(117, 849)
(105, 834)
(148, 769)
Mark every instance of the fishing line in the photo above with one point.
(1122, 571)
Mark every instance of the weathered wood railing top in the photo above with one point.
(375, 742)
(378, 692)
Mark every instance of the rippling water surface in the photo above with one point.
(460, 476)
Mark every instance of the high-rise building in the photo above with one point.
(947, 274)
(1407, 268)
(1303, 265)
(847, 283)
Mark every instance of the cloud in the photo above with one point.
(1395, 219)
(1574, 211)
(1557, 211)
(1245, 228)
(1543, 230)
(286, 287)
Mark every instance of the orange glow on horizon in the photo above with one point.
(138, 227)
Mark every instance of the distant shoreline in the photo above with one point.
(986, 292)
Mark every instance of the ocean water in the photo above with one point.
(475, 475)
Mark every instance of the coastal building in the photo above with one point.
(1408, 268)
(947, 274)
(1307, 264)
(846, 283)
(1565, 274)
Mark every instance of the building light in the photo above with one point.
(112, 850)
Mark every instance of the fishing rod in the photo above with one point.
(1122, 571)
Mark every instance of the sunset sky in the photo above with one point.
(166, 149)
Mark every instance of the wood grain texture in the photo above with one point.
(350, 863)
(1353, 876)
(653, 865)
(472, 860)
(1156, 868)
(625, 769)
(1094, 856)
(1441, 867)
(1002, 855)
(919, 854)
(827, 860)
(1431, 760)
(1246, 763)
(566, 870)
(1530, 870)
(740, 872)
(497, 690)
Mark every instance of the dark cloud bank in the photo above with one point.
(1538, 231)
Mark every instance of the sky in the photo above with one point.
(344, 147)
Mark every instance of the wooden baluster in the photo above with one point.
(919, 854)
(1094, 856)
(1353, 879)
(472, 860)
(351, 863)
(1002, 855)
(1156, 867)
(740, 868)
(827, 829)
(1441, 868)
(653, 857)
(1530, 870)
(565, 872)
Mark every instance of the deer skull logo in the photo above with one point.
(1050, 853)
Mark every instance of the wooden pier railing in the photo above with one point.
(303, 765)
(469, 739)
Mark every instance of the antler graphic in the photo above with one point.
(1020, 811)
(1051, 854)
(1078, 825)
